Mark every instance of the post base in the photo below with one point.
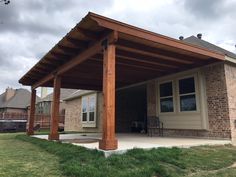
(108, 144)
(29, 133)
(53, 136)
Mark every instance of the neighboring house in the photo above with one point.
(15, 101)
(189, 103)
(43, 106)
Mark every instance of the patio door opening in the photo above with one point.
(131, 110)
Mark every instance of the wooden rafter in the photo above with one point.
(87, 34)
(151, 54)
(132, 65)
(77, 43)
(60, 55)
(140, 54)
(152, 37)
(95, 48)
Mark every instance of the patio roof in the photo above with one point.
(140, 55)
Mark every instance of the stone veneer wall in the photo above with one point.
(217, 102)
(230, 72)
(151, 98)
(73, 120)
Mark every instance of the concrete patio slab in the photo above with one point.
(131, 141)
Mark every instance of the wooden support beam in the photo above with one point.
(68, 50)
(54, 135)
(60, 55)
(151, 54)
(92, 50)
(30, 130)
(77, 43)
(161, 52)
(49, 63)
(87, 34)
(148, 60)
(133, 65)
(109, 141)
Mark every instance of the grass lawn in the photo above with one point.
(20, 158)
(25, 156)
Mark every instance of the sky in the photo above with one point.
(30, 28)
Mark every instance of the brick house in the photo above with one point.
(189, 84)
(195, 103)
(15, 101)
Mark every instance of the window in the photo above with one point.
(187, 95)
(166, 97)
(89, 109)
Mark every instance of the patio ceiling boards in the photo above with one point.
(140, 55)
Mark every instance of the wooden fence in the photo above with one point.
(13, 116)
(42, 120)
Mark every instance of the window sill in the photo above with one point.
(88, 124)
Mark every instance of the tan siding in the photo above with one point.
(184, 120)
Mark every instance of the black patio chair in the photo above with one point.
(37, 127)
(153, 124)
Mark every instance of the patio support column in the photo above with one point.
(30, 130)
(109, 141)
(54, 135)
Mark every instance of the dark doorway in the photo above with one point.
(131, 109)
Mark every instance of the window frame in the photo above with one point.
(196, 93)
(89, 123)
(173, 97)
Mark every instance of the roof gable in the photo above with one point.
(21, 99)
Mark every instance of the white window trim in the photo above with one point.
(196, 93)
(88, 123)
(173, 96)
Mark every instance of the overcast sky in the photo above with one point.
(29, 28)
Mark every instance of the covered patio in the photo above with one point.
(105, 55)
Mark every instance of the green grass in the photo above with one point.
(20, 158)
(58, 159)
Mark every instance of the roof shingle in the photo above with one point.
(199, 42)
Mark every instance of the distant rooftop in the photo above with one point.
(64, 94)
(20, 99)
(202, 43)
(78, 94)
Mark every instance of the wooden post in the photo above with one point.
(54, 135)
(30, 130)
(109, 141)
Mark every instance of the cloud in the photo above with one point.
(206, 9)
(29, 28)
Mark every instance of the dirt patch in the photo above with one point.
(80, 141)
(233, 166)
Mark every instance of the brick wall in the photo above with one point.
(73, 120)
(151, 98)
(230, 72)
(217, 101)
